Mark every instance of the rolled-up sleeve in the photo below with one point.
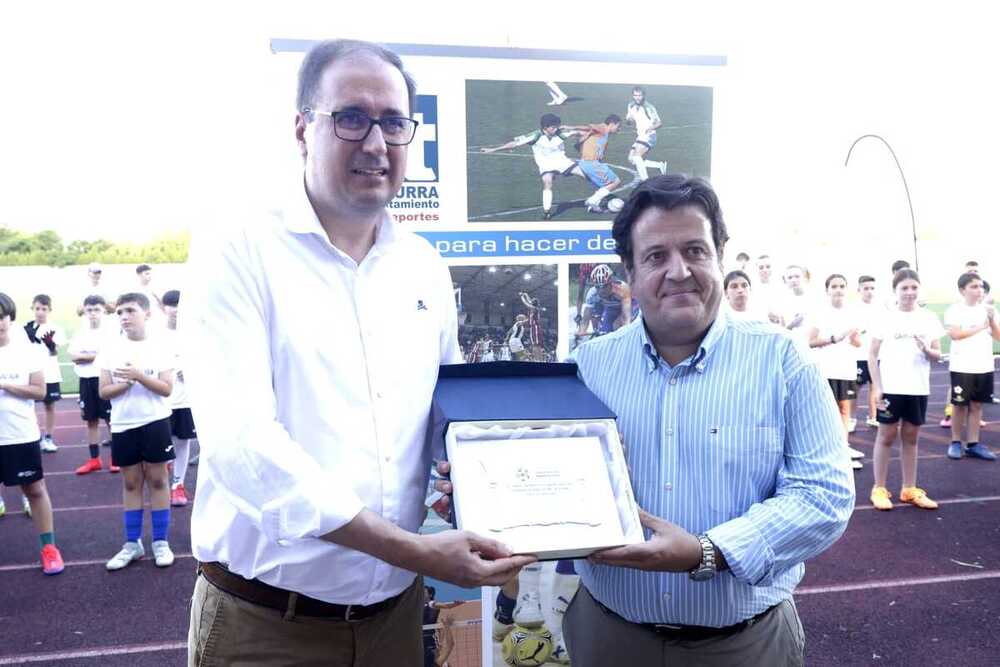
(814, 493)
(248, 454)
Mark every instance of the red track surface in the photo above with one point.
(903, 587)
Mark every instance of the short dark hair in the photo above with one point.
(763, 257)
(171, 298)
(830, 278)
(743, 256)
(904, 274)
(324, 53)
(133, 297)
(899, 264)
(668, 191)
(986, 287)
(613, 118)
(142, 268)
(972, 262)
(865, 279)
(638, 89)
(43, 299)
(94, 300)
(7, 307)
(967, 278)
(549, 120)
(733, 275)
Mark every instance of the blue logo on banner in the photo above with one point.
(422, 165)
(551, 243)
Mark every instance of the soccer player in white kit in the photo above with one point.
(972, 327)
(903, 345)
(646, 119)
(869, 312)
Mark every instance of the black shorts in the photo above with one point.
(182, 424)
(844, 390)
(912, 409)
(150, 443)
(92, 406)
(864, 376)
(52, 393)
(20, 464)
(971, 387)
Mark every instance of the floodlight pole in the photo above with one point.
(906, 188)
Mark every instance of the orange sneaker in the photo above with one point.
(92, 465)
(52, 562)
(917, 496)
(177, 496)
(880, 498)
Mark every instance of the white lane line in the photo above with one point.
(949, 501)
(84, 508)
(98, 652)
(19, 567)
(895, 583)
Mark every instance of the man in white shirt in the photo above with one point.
(312, 420)
(972, 327)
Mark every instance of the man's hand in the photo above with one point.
(468, 560)
(670, 549)
(796, 321)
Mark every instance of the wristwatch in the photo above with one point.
(707, 567)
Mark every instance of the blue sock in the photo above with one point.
(505, 608)
(565, 567)
(161, 523)
(133, 525)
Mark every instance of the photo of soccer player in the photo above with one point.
(510, 312)
(612, 136)
(600, 301)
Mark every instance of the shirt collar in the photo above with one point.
(699, 360)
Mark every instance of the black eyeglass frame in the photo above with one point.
(372, 122)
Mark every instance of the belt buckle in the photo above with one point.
(668, 627)
(347, 613)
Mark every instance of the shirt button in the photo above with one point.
(673, 380)
(388, 458)
(666, 596)
(668, 486)
(670, 431)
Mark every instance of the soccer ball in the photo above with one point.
(527, 647)
(615, 204)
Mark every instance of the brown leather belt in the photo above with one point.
(265, 595)
(693, 632)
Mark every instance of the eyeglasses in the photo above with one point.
(357, 125)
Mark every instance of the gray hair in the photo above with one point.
(324, 53)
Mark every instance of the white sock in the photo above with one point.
(596, 198)
(640, 167)
(529, 578)
(181, 449)
(546, 200)
(556, 91)
(653, 163)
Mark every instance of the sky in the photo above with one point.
(125, 121)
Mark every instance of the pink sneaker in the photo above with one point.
(52, 562)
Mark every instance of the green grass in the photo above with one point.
(498, 111)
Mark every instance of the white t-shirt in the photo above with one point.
(904, 369)
(138, 406)
(90, 341)
(51, 361)
(18, 361)
(837, 361)
(806, 306)
(868, 315)
(178, 397)
(975, 353)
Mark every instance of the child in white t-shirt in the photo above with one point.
(137, 377)
(83, 350)
(972, 327)
(903, 345)
(48, 337)
(22, 382)
(182, 427)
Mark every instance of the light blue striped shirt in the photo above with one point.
(741, 440)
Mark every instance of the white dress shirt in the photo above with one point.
(308, 409)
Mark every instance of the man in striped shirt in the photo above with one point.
(736, 454)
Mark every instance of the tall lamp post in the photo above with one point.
(906, 188)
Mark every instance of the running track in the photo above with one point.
(904, 587)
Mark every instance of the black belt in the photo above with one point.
(265, 595)
(692, 632)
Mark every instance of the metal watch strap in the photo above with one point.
(707, 567)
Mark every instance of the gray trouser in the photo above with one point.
(226, 630)
(597, 638)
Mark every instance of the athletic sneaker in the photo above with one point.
(52, 562)
(871, 421)
(114, 468)
(92, 465)
(130, 551)
(855, 465)
(26, 506)
(106, 443)
(547, 215)
(162, 555)
(980, 451)
(852, 424)
(917, 496)
(194, 460)
(880, 498)
(48, 445)
(500, 629)
(3, 508)
(559, 654)
(528, 612)
(946, 422)
(177, 496)
(955, 450)
(855, 453)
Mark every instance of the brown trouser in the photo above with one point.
(596, 638)
(226, 630)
